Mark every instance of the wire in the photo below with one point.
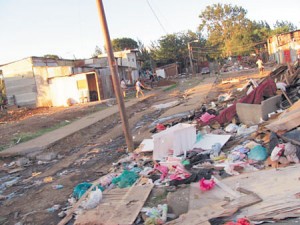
(156, 17)
(159, 12)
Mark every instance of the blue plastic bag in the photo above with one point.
(81, 188)
(258, 153)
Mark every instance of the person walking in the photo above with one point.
(151, 77)
(138, 87)
(259, 63)
(123, 87)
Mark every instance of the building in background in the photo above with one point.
(39, 81)
(285, 47)
(128, 66)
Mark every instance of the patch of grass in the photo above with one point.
(170, 87)
(23, 137)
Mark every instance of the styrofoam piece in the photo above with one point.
(174, 141)
(147, 145)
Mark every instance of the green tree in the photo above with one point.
(119, 44)
(144, 56)
(227, 28)
(260, 31)
(97, 52)
(173, 48)
(283, 27)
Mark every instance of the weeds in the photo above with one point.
(23, 137)
(170, 87)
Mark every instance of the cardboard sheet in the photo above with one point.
(208, 140)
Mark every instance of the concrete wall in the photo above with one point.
(20, 82)
(42, 76)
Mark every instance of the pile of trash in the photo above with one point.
(221, 139)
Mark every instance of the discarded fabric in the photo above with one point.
(277, 152)
(163, 169)
(241, 221)
(206, 185)
(206, 117)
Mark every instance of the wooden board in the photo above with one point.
(276, 188)
(288, 120)
(119, 206)
(207, 205)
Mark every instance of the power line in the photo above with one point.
(159, 12)
(157, 17)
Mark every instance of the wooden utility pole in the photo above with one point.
(115, 78)
(191, 60)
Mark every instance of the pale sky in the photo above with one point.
(71, 28)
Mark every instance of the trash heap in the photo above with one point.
(246, 130)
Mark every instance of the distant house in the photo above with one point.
(128, 66)
(39, 81)
(285, 47)
(167, 71)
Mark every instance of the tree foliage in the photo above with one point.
(227, 28)
(261, 30)
(283, 27)
(173, 48)
(97, 52)
(120, 44)
(144, 56)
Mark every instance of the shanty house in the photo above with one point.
(39, 81)
(167, 71)
(128, 66)
(285, 47)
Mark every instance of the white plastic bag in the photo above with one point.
(93, 199)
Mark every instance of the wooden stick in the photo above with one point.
(285, 95)
(69, 215)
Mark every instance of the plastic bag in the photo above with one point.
(93, 199)
(258, 153)
(231, 128)
(126, 179)
(81, 188)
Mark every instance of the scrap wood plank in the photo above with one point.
(207, 205)
(280, 214)
(203, 215)
(117, 208)
(277, 188)
(287, 121)
(218, 209)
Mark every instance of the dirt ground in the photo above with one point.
(82, 157)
